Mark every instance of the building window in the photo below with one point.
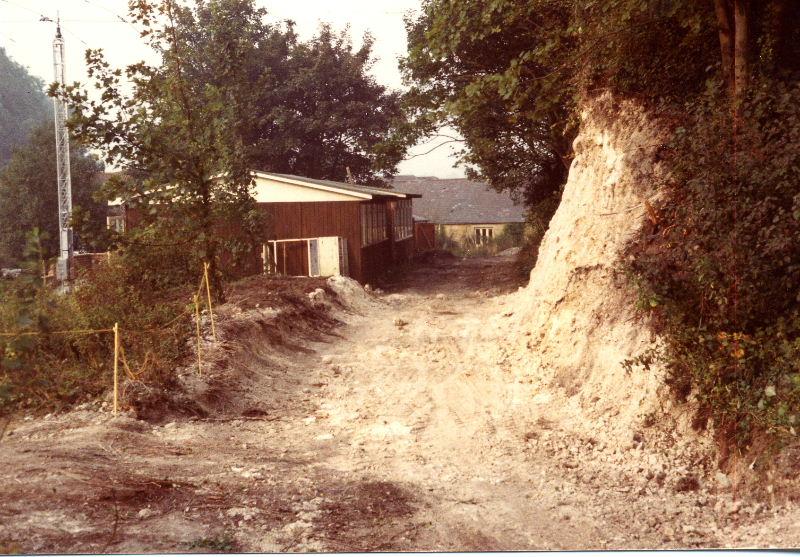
(483, 235)
(403, 225)
(116, 223)
(373, 223)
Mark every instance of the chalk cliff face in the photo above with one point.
(577, 315)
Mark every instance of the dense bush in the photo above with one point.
(720, 271)
(50, 370)
(536, 223)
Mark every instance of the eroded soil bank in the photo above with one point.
(408, 425)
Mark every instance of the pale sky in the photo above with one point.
(97, 24)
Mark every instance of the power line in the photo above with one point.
(26, 8)
(117, 18)
(104, 21)
(116, 15)
(45, 19)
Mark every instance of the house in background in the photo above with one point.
(464, 211)
(321, 227)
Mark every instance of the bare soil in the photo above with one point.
(389, 422)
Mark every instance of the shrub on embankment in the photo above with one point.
(719, 266)
(42, 367)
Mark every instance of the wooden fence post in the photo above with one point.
(116, 368)
(197, 326)
(208, 293)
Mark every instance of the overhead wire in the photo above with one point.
(47, 19)
(118, 18)
(116, 15)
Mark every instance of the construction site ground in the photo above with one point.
(397, 426)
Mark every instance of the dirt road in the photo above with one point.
(407, 427)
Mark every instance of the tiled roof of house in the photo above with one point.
(459, 201)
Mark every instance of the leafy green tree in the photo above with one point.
(179, 137)
(306, 107)
(510, 76)
(488, 70)
(29, 199)
(328, 114)
(23, 105)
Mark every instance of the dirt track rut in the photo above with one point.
(409, 428)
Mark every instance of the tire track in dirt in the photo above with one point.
(423, 436)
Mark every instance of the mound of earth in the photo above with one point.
(577, 323)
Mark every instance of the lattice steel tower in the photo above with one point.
(62, 165)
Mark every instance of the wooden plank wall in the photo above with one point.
(404, 251)
(315, 219)
(292, 258)
(425, 236)
(377, 259)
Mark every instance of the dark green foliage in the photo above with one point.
(487, 69)
(300, 107)
(326, 114)
(53, 371)
(23, 105)
(721, 271)
(29, 199)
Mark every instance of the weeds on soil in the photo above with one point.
(47, 371)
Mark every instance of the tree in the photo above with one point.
(179, 137)
(29, 198)
(511, 76)
(330, 114)
(306, 107)
(489, 71)
(23, 105)
(232, 94)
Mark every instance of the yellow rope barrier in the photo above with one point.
(119, 350)
(45, 333)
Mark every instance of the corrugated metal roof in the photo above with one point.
(460, 201)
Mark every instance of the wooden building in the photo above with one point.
(321, 227)
(375, 225)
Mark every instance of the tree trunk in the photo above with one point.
(210, 244)
(741, 52)
(724, 28)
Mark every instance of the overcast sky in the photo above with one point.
(97, 24)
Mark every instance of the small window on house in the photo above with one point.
(483, 235)
(116, 223)
(403, 227)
